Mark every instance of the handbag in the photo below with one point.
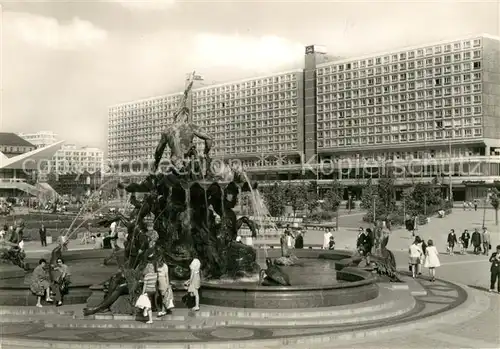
(189, 300)
(143, 302)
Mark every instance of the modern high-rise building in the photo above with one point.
(430, 112)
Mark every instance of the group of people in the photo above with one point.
(481, 242)
(45, 284)
(156, 284)
(469, 205)
(423, 254)
(328, 240)
(289, 239)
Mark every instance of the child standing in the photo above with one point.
(167, 296)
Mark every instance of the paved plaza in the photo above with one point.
(469, 318)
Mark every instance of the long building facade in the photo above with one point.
(427, 113)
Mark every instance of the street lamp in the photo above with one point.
(488, 193)
(450, 184)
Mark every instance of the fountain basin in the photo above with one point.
(351, 285)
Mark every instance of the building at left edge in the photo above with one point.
(20, 161)
(72, 170)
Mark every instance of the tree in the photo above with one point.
(296, 197)
(275, 200)
(369, 191)
(312, 200)
(423, 199)
(495, 201)
(386, 193)
(333, 197)
(382, 196)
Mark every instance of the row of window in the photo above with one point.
(394, 119)
(270, 110)
(282, 96)
(247, 93)
(456, 60)
(435, 100)
(406, 55)
(420, 115)
(429, 126)
(396, 138)
(401, 86)
(246, 109)
(218, 151)
(401, 77)
(244, 85)
(429, 93)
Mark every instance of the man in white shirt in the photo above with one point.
(326, 239)
(113, 235)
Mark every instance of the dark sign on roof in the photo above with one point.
(12, 140)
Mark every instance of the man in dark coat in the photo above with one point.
(465, 238)
(476, 241)
(452, 241)
(495, 270)
(43, 235)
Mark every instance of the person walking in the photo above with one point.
(431, 259)
(452, 241)
(299, 240)
(476, 241)
(43, 235)
(486, 239)
(423, 246)
(495, 270)
(415, 255)
(465, 239)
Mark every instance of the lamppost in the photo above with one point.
(450, 184)
(488, 193)
(449, 171)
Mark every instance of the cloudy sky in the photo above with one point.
(65, 62)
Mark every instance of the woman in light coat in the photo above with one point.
(432, 259)
(194, 282)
